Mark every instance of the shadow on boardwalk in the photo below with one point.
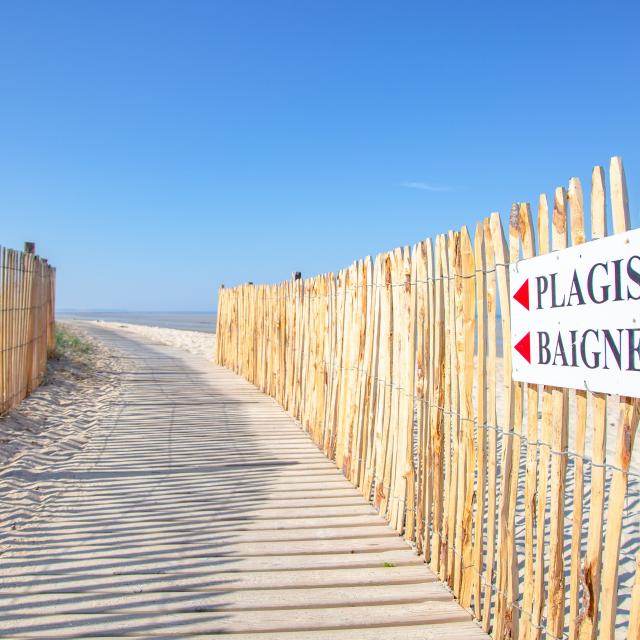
(199, 507)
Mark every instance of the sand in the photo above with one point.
(197, 342)
(41, 436)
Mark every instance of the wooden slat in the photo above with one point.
(481, 373)
(407, 510)
(576, 216)
(556, 593)
(587, 622)
(468, 295)
(235, 622)
(527, 239)
(460, 447)
(424, 325)
(384, 383)
(506, 620)
(436, 417)
(365, 358)
(540, 569)
(262, 600)
(374, 393)
(513, 582)
(452, 443)
(492, 421)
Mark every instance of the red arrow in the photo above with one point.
(524, 347)
(522, 294)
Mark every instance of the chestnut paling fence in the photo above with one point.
(27, 336)
(394, 367)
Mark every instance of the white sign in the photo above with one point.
(575, 316)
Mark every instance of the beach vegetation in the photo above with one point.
(72, 346)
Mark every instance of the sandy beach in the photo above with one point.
(42, 435)
(196, 342)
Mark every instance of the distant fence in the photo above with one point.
(393, 367)
(27, 291)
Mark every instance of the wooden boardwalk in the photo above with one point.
(200, 508)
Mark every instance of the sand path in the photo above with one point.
(199, 507)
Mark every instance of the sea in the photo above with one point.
(204, 321)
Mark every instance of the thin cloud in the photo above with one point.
(427, 186)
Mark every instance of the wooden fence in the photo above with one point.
(27, 336)
(394, 367)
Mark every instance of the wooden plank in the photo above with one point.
(381, 494)
(390, 479)
(407, 506)
(262, 600)
(332, 367)
(432, 355)
(219, 581)
(185, 624)
(468, 477)
(505, 616)
(437, 394)
(365, 363)
(481, 373)
(459, 435)
(492, 421)
(559, 436)
(229, 547)
(352, 371)
(587, 623)
(198, 537)
(344, 411)
(423, 372)
(576, 216)
(404, 330)
(442, 631)
(538, 599)
(527, 239)
(337, 364)
(446, 409)
(513, 582)
(453, 409)
(12, 342)
(374, 390)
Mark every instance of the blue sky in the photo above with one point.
(156, 149)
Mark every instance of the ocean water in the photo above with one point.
(191, 321)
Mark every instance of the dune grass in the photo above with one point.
(72, 347)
